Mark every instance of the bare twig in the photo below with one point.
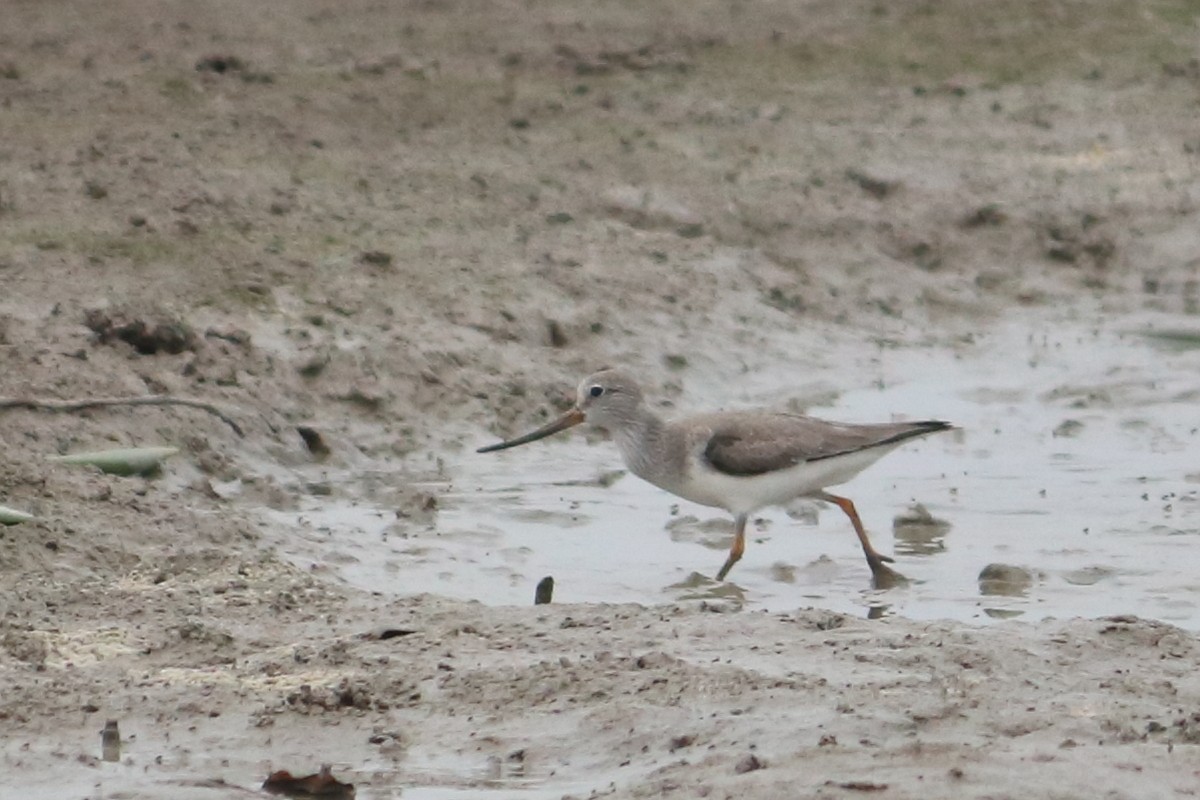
(97, 402)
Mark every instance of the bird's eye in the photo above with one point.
(596, 391)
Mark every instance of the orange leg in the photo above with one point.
(875, 559)
(739, 547)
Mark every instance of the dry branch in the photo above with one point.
(98, 402)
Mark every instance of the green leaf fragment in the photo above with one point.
(10, 516)
(126, 461)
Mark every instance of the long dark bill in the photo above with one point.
(567, 420)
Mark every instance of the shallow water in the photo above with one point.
(1074, 463)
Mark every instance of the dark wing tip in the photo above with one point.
(921, 428)
(914, 429)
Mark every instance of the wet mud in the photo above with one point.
(370, 238)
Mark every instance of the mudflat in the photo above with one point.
(378, 235)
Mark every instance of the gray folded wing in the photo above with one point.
(752, 444)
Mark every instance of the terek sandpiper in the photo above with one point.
(741, 461)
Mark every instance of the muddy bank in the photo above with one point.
(377, 236)
(626, 701)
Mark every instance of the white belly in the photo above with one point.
(746, 494)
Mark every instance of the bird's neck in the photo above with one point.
(642, 441)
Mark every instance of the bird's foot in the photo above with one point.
(877, 559)
(883, 576)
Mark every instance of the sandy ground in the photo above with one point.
(410, 226)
